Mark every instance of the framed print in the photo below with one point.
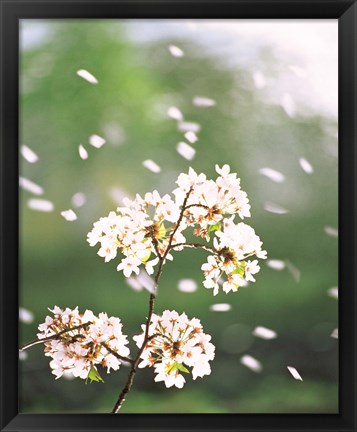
(178, 215)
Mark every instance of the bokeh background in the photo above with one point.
(274, 87)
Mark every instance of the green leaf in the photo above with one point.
(162, 231)
(172, 368)
(177, 366)
(93, 375)
(146, 257)
(182, 368)
(215, 227)
(240, 269)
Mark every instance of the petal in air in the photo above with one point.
(87, 76)
(175, 51)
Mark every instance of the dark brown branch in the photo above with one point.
(178, 223)
(55, 336)
(135, 362)
(115, 354)
(197, 246)
(147, 338)
(197, 205)
(156, 246)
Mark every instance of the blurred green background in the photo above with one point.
(254, 124)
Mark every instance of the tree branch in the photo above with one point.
(179, 220)
(55, 336)
(197, 205)
(147, 338)
(135, 362)
(115, 354)
(197, 246)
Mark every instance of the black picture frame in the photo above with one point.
(346, 13)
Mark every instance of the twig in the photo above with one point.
(134, 364)
(178, 223)
(197, 246)
(55, 336)
(115, 354)
(197, 205)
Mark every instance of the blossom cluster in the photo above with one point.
(80, 342)
(234, 244)
(176, 343)
(136, 233)
(153, 226)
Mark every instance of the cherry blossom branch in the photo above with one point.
(55, 336)
(196, 246)
(59, 335)
(115, 354)
(138, 227)
(197, 205)
(208, 249)
(179, 220)
(156, 246)
(147, 338)
(135, 362)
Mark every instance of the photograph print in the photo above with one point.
(178, 216)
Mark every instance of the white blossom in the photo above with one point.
(147, 228)
(176, 343)
(79, 347)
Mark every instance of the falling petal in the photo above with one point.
(333, 232)
(23, 355)
(264, 333)
(28, 154)
(333, 292)
(191, 137)
(68, 375)
(30, 186)
(69, 215)
(298, 71)
(176, 51)
(288, 104)
(134, 283)
(82, 152)
(201, 101)
(96, 141)
(185, 150)
(187, 285)
(151, 166)
(115, 133)
(220, 307)
(25, 316)
(189, 127)
(87, 76)
(40, 205)
(306, 166)
(334, 333)
(118, 195)
(272, 174)
(251, 363)
(294, 373)
(276, 264)
(78, 199)
(146, 281)
(259, 80)
(175, 113)
(274, 208)
(294, 271)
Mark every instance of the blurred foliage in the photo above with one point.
(137, 84)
